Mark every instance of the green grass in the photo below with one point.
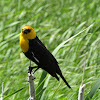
(55, 22)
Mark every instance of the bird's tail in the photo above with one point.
(56, 77)
(65, 80)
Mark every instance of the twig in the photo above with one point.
(82, 87)
(81, 92)
(31, 85)
(2, 91)
(83, 74)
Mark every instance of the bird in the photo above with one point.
(35, 50)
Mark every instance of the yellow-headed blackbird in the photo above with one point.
(35, 50)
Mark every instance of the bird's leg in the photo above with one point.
(31, 68)
(35, 70)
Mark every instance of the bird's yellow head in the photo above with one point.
(28, 32)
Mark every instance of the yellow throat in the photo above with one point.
(24, 38)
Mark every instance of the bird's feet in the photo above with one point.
(31, 68)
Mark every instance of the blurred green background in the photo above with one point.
(55, 21)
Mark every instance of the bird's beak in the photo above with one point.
(24, 31)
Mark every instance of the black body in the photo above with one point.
(39, 54)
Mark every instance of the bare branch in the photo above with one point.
(2, 91)
(31, 87)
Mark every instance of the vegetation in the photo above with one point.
(55, 22)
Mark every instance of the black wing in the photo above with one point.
(40, 52)
(46, 50)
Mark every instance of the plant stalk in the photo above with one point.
(31, 87)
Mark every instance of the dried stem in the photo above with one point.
(82, 87)
(2, 91)
(31, 85)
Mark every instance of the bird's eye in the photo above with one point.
(28, 30)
